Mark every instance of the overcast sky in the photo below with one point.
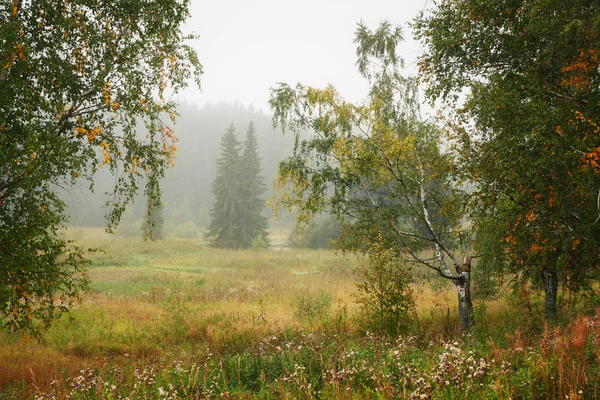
(247, 46)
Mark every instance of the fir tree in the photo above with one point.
(253, 224)
(224, 229)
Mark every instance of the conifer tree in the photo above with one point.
(224, 229)
(254, 225)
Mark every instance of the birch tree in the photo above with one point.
(377, 167)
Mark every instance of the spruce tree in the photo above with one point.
(224, 229)
(253, 224)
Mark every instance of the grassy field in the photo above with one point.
(177, 319)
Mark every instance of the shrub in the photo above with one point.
(384, 293)
(310, 305)
(259, 242)
(317, 235)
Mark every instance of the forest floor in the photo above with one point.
(176, 319)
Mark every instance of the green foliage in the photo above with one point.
(76, 82)
(560, 363)
(236, 218)
(175, 316)
(175, 312)
(227, 203)
(259, 242)
(384, 292)
(316, 235)
(312, 304)
(528, 130)
(252, 223)
(374, 166)
(41, 273)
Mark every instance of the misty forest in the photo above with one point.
(331, 201)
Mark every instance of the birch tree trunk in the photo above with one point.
(463, 287)
(463, 283)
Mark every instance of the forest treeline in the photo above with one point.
(186, 188)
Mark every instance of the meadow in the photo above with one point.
(176, 319)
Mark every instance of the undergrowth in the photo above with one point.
(187, 322)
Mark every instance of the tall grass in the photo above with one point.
(177, 319)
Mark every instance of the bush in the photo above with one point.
(384, 293)
(311, 305)
(259, 242)
(317, 235)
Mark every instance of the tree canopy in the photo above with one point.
(527, 130)
(78, 81)
(377, 167)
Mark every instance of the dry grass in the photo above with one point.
(151, 301)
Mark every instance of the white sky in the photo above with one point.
(247, 46)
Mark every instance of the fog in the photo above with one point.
(246, 47)
(186, 188)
